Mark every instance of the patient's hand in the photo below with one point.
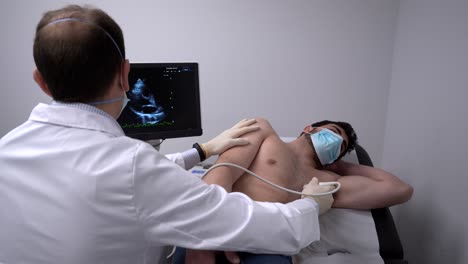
(208, 257)
(232, 256)
(193, 256)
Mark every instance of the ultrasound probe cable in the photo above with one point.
(337, 184)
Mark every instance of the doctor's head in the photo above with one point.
(331, 140)
(79, 54)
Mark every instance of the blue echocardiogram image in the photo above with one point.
(163, 101)
(143, 104)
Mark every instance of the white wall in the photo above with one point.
(292, 62)
(425, 139)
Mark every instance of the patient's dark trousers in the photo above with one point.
(246, 258)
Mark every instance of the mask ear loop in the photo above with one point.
(89, 23)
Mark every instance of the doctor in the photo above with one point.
(74, 189)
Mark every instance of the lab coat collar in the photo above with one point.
(76, 115)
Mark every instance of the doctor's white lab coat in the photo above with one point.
(74, 189)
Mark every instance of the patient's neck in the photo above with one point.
(304, 152)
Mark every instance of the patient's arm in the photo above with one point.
(240, 155)
(226, 176)
(364, 187)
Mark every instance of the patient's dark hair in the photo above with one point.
(352, 137)
(77, 59)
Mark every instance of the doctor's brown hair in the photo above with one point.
(78, 60)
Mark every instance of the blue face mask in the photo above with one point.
(327, 145)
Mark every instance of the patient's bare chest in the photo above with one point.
(276, 163)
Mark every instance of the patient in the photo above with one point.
(294, 164)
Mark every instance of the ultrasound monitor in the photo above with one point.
(164, 101)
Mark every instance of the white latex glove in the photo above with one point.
(325, 201)
(230, 138)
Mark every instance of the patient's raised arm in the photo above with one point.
(364, 187)
(240, 155)
(227, 176)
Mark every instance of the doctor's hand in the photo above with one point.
(230, 137)
(325, 201)
(232, 257)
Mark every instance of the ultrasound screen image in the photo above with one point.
(163, 101)
(143, 105)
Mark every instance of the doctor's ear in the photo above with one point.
(40, 81)
(124, 75)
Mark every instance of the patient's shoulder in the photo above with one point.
(263, 123)
(265, 127)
